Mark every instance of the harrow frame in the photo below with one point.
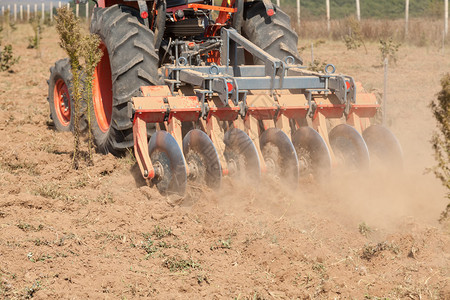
(277, 94)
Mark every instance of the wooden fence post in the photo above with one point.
(443, 42)
(21, 12)
(28, 12)
(51, 12)
(68, 5)
(278, 3)
(35, 11)
(406, 17)
(328, 15)
(77, 8)
(358, 11)
(59, 4)
(87, 12)
(386, 62)
(43, 12)
(298, 13)
(446, 17)
(15, 12)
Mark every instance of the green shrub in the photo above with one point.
(388, 49)
(354, 39)
(34, 41)
(441, 139)
(84, 55)
(7, 59)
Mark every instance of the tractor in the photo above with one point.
(203, 91)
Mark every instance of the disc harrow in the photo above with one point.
(242, 121)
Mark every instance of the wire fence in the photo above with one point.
(43, 11)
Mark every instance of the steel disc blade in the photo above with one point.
(349, 147)
(277, 149)
(241, 154)
(312, 152)
(166, 154)
(201, 155)
(384, 148)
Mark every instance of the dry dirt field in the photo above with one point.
(101, 233)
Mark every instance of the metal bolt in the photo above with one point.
(145, 173)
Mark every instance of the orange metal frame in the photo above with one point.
(158, 105)
(197, 6)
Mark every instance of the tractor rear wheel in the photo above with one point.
(129, 61)
(60, 95)
(272, 34)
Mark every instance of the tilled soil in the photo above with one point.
(101, 232)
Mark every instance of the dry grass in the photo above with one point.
(421, 32)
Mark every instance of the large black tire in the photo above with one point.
(60, 98)
(272, 34)
(128, 46)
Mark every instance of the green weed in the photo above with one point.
(175, 264)
(317, 66)
(221, 244)
(53, 191)
(30, 291)
(105, 198)
(364, 229)
(202, 277)
(371, 251)
(161, 232)
(38, 242)
(27, 227)
(42, 257)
